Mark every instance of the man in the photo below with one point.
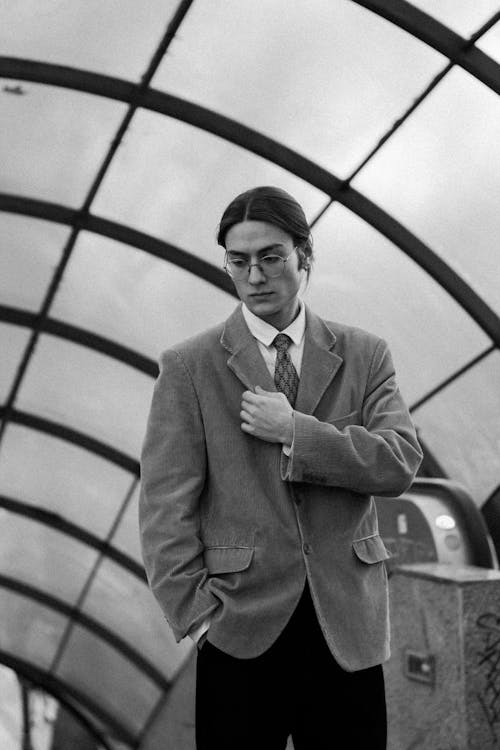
(267, 438)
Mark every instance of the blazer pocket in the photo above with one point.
(371, 549)
(227, 559)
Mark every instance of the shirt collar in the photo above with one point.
(266, 333)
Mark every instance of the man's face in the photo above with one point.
(275, 300)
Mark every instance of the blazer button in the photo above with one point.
(307, 549)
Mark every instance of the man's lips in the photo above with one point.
(258, 295)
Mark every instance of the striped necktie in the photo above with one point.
(285, 374)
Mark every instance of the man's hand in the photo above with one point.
(267, 415)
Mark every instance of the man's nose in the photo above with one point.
(255, 275)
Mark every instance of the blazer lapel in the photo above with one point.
(245, 361)
(319, 363)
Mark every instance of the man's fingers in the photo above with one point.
(248, 406)
(245, 415)
(252, 398)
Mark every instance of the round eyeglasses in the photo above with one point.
(270, 265)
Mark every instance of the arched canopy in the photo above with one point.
(127, 128)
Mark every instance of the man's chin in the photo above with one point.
(263, 302)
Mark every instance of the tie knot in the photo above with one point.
(282, 342)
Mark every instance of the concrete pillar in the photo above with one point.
(443, 678)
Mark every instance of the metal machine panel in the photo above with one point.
(436, 520)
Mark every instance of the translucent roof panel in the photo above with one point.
(462, 16)
(135, 298)
(13, 342)
(296, 64)
(88, 392)
(173, 181)
(126, 536)
(10, 710)
(29, 630)
(54, 474)
(53, 141)
(119, 34)
(361, 278)
(111, 680)
(490, 42)
(30, 250)
(115, 591)
(439, 176)
(50, 560)
(461, 425)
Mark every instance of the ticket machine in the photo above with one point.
(436, 520)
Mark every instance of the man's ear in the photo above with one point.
(303, 261)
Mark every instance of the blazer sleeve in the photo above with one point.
(173, 466)
(377, 454)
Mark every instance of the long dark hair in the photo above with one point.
(274, 206)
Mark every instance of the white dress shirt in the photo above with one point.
(265, 334)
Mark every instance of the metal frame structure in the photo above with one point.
(73, 530)
(90, 624)
(457, 50)
(73, 699)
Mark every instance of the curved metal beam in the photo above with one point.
(79, 439)
(67, 695)
(57, 522)
(460, 51)
(261, 145)
(113, 230)
(450, 379)
(89, 623)
(75, 334)
(437, 268)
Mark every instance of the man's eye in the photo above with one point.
(271, 260)
(238, 262)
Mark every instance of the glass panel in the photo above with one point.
(110, 680)
(54, 141)
(115, 591)
(135, 298)
(92, 35)
(126, 536)
(174, 181)
(29, 630)
(462, 16)
(56, 475)
(439, 176)
(44, 558)
(361, 278)
(11, 724)
(289, 71)
(30, 251)
(462, 426)
(89, 392)
(13, 341)
(490, 42)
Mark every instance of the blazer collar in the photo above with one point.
(246, 360)
(319, 363)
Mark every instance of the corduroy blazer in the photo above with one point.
(231, 528)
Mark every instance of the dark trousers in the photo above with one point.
(295, 688)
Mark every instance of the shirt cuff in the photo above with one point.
(288, 449)
(198, 632)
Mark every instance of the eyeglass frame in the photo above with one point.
(251, 265)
